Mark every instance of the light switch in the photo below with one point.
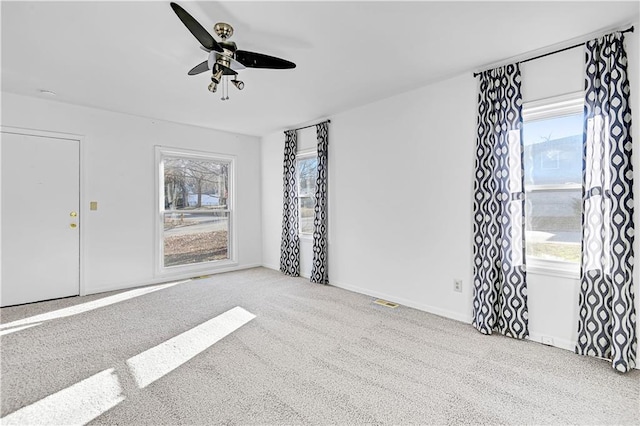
(93, 205)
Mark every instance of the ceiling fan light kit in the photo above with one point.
(225, 60)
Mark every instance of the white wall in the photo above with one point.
(400, 196)
(118, 171)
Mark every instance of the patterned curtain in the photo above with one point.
(606, 326)
(320, 269)
(500, 291)
(290, 245)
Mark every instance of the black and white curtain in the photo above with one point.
(500, 290)
(320, 268)
(606, 326)
(290, 244)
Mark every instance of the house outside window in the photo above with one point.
(552, 162)
(195, 209)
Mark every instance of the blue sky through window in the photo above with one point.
(553, 150)
(552, 128)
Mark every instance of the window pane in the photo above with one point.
(192, 183)
(553, 221)
(195, 237)
(196, 211)
(307, 215)
(307, 176)
(553, 151)
(552, 163)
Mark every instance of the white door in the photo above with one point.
(40, 218)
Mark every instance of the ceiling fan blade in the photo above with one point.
(236, 65)
(201, 67)
(196, 29)
(258, 60)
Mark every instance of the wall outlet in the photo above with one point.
(457, 286)
(546, 340)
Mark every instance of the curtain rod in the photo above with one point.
(310, 125)
(628, 30)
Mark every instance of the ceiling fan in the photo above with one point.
(225, 60)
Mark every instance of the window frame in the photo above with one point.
(553, 107)
(303, 155)
(161, 153)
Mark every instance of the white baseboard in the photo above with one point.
(557, 342)
(406, 302)
(277, 268)
(160, 280)
(569, 345)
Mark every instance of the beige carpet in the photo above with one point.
(312, 355)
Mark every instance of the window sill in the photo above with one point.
(196, 268)
(553, 268)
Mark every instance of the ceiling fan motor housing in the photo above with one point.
(228, 49)
(223, 30)
(223, 60)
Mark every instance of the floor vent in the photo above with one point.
(385, 303)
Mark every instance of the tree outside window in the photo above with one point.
(307, 170)
(195, 210)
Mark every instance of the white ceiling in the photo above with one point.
(133, 57)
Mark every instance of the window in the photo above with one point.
(550, 159)
(552, 164)
(195, 209)
(306, 168)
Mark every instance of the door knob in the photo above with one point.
(73, 214)
(73, 225)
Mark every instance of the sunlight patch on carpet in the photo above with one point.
(13, 330)
(76, 405)
(152, 364)
(88, 399)
(89, 306)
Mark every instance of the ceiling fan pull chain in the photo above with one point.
(224, 88)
